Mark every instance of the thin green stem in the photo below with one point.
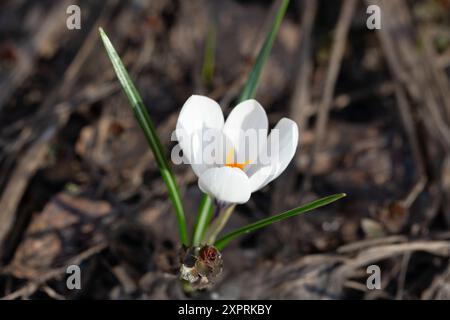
(218, 224)
(203, 220)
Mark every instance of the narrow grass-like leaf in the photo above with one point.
(248, 92)
(209, 58)
(147, 126)
(203, 220)
(253, 78)
(222, 242)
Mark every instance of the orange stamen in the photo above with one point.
(230, 161)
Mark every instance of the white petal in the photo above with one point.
(247, 115)
(197, 113)
(208, 150)
(195, 157)
(226, 184)
(200, 112)
(261, 177)
(287, 144)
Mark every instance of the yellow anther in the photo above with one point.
(230, 161)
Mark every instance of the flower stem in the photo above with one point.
(218, 224)
(203, 219)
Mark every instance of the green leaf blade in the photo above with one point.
(209, 59)
(203, 219)
(222, 242)
(251, 85)
(148, 127)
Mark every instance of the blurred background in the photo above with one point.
(79, 185)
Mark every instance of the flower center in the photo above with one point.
(230, 161)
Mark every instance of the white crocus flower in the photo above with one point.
(227, 180)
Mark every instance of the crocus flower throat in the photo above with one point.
(230, 161)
